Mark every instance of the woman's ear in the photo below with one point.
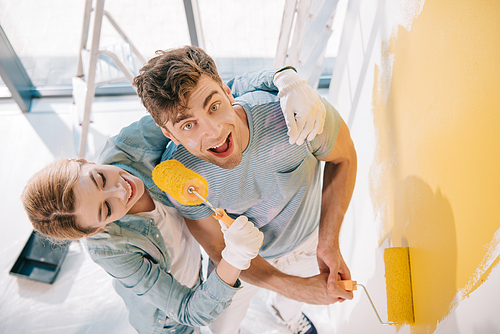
(93, 232)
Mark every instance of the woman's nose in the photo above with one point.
(118, 191)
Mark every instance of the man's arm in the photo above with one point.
(338, 186)
(312, 290)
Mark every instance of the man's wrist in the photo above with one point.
(286, 81)
(288, 67)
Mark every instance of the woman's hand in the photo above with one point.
(243, 241)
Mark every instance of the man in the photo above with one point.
(242, 149)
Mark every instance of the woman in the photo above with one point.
(138, 240)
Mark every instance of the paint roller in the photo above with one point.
(185, 186)
(399, 287)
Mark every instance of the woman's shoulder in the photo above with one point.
(127, 235)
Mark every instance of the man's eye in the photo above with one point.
(214, 107)
(109, 209)
(188, 126)
(103, 179)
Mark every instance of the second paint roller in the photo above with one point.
(185, 186)
(398, 287)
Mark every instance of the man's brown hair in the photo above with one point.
(166, 81)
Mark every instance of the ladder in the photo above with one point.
(99, 66)
(311, 23)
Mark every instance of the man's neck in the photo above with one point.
(244, 127)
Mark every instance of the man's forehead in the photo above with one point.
(205, 87)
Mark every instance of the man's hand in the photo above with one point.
(313, 290)
(332, 263)
(303, 110)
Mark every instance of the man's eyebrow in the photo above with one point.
(184, 115)
(99, 213)
(209, 97)
(180, 117)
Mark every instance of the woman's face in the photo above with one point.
(104, 194)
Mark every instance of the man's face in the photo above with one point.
(211, 129)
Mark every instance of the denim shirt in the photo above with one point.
(132, 249)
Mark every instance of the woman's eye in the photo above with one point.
(109, 209)
(214, 107)
(188, 126)
(103, 180)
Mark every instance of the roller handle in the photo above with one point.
(348, 285)
(222, 215)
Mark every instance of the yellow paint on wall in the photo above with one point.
(436, 175)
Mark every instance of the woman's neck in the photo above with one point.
(144, 204)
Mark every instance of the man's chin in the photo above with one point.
(226, 163)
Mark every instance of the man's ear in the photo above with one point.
(228, 92)
(168, 135)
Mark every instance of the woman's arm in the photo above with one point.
(252, 81)
(134, 261)
(227, 273)
(141, 274)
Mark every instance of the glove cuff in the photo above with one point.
(233, 260)
(287, 80)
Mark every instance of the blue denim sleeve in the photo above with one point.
(142, 276)
(141, 143)
(249, 82)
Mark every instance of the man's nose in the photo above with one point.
(212, 128)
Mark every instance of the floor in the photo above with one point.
(81, 300)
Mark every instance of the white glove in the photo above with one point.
(303, 110)
(243, 241)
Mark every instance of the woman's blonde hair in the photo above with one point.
(49, 200)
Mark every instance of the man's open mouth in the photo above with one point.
(222, 147)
